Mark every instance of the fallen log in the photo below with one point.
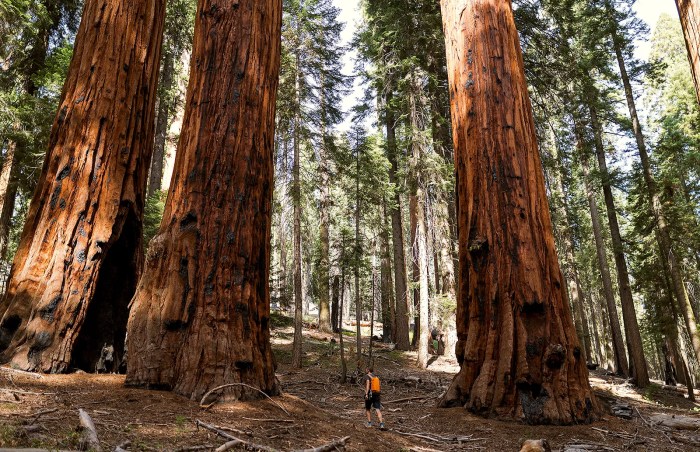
(408, 399)
(335, 445)
(232, 440)
(89, 441)
(676, 421)
(23, 373)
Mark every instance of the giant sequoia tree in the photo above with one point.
(517, 348)
(80, 252)
(200, 316)
(689, 11)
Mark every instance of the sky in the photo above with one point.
(647, 10)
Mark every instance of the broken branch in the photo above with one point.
(90, 433)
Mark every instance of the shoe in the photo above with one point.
(369, 424)
(381, 425)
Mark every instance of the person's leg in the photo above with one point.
(379, 416)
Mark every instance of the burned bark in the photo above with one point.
(82, 236)
(518, 349)
(201, 313)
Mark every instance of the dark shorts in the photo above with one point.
(374, 401)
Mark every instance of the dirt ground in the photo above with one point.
(317, 409)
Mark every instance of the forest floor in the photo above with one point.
(316, 409)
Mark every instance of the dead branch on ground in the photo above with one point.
(89, 441)
(335, 445)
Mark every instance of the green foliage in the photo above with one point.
(153, 214)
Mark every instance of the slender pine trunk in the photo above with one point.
(400, 282)
(673, 267)
(618, 343)
(638, 364)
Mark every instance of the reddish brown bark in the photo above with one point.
(518, 349)
(200, 316)
(80, 252)
(689, 12)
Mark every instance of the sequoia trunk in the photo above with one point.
(689, 11)
(79, 256)
(201, 314)
(518, 349)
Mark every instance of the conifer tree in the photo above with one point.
(79, 257)
(201, 314)
(501, 193)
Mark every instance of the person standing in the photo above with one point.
(373, 397)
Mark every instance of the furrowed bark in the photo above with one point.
(79, 256)
(200, 317)
(689, 12)
(518, 350)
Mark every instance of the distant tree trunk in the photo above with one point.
(419, 233)
(282, 233)
(638, 363)
(606, 335)
(8, 194)
(386, 282)
(676, 332)
(600, 352)
(200, 317)
(689, 11)
(415, 266)
(335, 305)
(79, 256)
(324, 321)
(343, 364)
(401, 292)
(672, 266)
(518, 350)
(576, 291)
(670, 363)
(356, 260)
(155, 178)
(296, 200)
(618, 342)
